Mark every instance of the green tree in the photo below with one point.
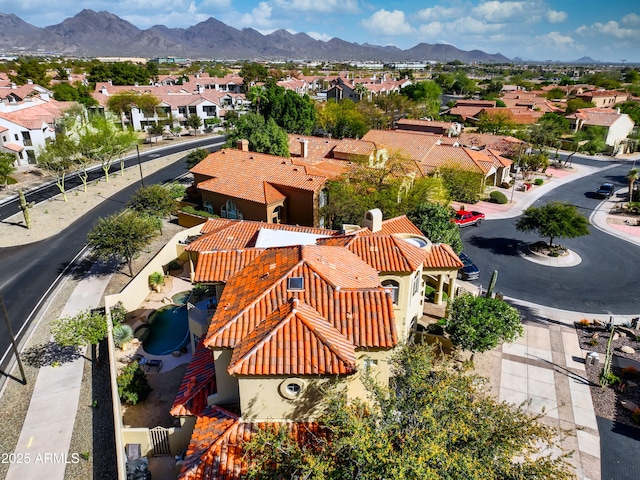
(389, 187)
(196, 156)
(119, 73)
(478, 324)
(30, 69)
(86, 327)
(575, 104)
(462, 185)
(252, 72)
(7, 167)
(153, 200)
(263, 136)
(341, 119)
(555, 94)
(631, 108)
(257, 95)
(496, 123)
(65, 92)
(432, 422)
(194, 121)
(56, 158)
(133, 386)
(427, 94)
(294, 113)
(100, 140)
(554, 220)
(121, 236)
(434, 220)
(122, 103)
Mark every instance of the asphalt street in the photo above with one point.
(605, 280)
(30, 271)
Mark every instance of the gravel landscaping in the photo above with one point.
(608, 401)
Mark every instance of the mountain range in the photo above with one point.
(95, 34)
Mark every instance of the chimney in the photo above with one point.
(243, 145)
(373, 220)
(304, 147)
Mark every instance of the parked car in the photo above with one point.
(464, 218)
(606, 190)
(469, 271)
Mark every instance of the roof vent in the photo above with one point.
(295, 283)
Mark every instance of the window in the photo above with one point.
(209, 110)
(277, 215)
(295, 283)
(292, 388)
(395, 289)
(323, 198)
(208, 207)
(26, 139)
(369, 363)
(415, 286)
(230, 210)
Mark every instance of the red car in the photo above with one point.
(464, 218)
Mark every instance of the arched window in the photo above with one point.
(278, 214)
(395, 289)
(230, 210)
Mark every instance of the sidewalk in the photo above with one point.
(42, 452)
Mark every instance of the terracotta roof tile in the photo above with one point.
(442, 257)
(215, 451)
(413, 145)
(224, 234)
(336, 283)
(241, 174)
(294, 340)
(221, 265)
(385, 253)
(198, 383)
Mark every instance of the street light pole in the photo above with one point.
(13, 340)
(140, 165)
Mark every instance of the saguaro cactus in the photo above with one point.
(492, 283)
(25, 206)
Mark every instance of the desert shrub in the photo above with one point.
(133, 386)
(538, 181)
(122, 333)
(498, 197)
(585, 322)
(86, 327)
(118, 314)
(593, 342)
(608, 378)
(173, 265)
(156, 279)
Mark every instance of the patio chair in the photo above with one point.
(153, 363)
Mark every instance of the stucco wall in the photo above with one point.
(378, 363)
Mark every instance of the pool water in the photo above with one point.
(167, 330)
(181, 298)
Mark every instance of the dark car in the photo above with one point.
(605, 190)
(469, 271)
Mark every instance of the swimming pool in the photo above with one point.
(181, 298)
(166, 331)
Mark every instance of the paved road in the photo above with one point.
(601, 283)
(29, 271)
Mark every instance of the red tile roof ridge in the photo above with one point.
(199, 377)
(317, 325)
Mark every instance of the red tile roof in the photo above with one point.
(413, 145)
(336, 283)
(242, 174)
(385, 253)
(225, 234)
(215, 451)
(294, 340)
(198, 383)
(442, 257)
(220, 266)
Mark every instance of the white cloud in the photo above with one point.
(320, 36)
(631, 20)
(438, 13)
(500, 12)
(260, 17)
(431, 30)
(558, 40)
(556, 17)
(612, 29)
(388, 23)
(324, 6)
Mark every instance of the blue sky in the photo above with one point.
(530, 29)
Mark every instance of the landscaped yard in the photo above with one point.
(609, 402)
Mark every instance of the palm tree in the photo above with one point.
(360, 90)
(632, 176)
(255, 95)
